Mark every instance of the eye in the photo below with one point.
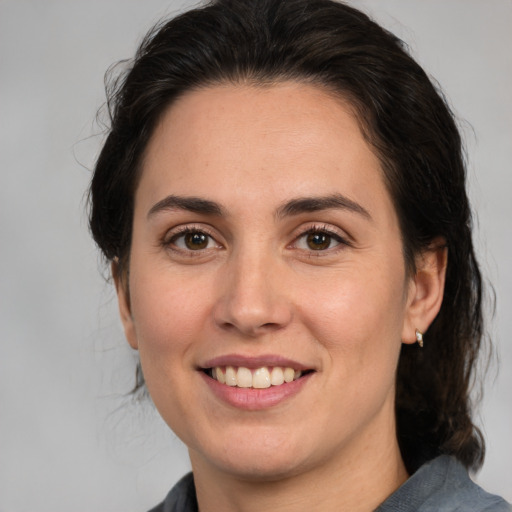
(316, 239)
(192, 240)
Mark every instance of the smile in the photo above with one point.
(258, 378)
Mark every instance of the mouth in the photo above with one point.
(257, 378)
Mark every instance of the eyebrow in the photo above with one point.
(315, 204)
(190, 204)
(289, 209)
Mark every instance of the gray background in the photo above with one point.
(69, 438)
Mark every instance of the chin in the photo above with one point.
(266, 458)
(262, 468)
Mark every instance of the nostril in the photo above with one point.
(251, 312)
(252, 330)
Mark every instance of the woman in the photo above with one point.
(282, 198)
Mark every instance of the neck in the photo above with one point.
(358, 481)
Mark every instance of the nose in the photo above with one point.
(254, 298)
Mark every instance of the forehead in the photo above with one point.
(293, 139)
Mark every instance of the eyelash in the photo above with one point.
(169, 241)
(323, 230)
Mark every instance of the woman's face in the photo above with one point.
(266, 244)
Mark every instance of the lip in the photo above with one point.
(254, 362)
(251, 399)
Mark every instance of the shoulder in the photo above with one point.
(443, 485)
(181, 498)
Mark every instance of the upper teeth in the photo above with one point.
(259, 378)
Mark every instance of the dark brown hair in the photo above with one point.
(403, 116)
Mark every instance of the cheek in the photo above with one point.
(357, 315)
(169, 317)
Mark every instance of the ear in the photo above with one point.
(426, 289)
(123, 299)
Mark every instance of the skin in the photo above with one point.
(259, 288)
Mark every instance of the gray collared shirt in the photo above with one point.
(441, 485)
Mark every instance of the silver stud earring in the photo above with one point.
(419, 338)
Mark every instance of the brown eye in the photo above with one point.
(192, 241)
(196, 240)
(318, 241)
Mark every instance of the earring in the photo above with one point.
(419, 338)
